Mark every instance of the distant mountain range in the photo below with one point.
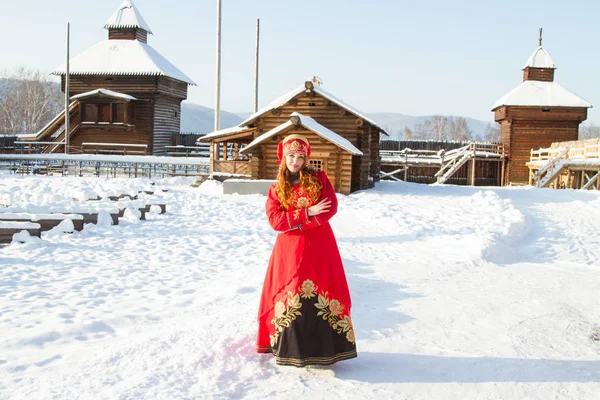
(199, 119)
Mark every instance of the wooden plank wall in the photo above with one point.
(128, 34)
(167, 112)
(526, 128)
(538, 74)
(526, 136)
(157, 113)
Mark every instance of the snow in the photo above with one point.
(222, 132)
(127, 16)
(37, 217)
(540, 59)
(458, 293)
(122, 57)
(110, 158)
(311, 125)
(105, 92)
(18, 225)
(538, 93)
(328, 134)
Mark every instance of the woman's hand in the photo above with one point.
(321, 207)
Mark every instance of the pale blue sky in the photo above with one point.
(415, 58)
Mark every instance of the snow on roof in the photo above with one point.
(104, 92)
(222, 132)
(311, 125)
(540, 59)
(127, 16)
(290, 95)
(122, 57)
(538, 93)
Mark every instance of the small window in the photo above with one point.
(118, 112)
(545, 109)
(312, 104)
(90, 113)
(130, 113)
(316, 164)
(103, 112)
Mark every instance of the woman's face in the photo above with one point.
(294, 162)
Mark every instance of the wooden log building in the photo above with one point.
(535, 114)
(123, 92)
(344, 142)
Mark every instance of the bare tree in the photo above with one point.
(439, 127)
(589, 131)
(492, 133)
(408, 133)
(424, 130)
(28, 100)
(460, 129)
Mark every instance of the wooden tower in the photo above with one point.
(535, 114)
(124, 90)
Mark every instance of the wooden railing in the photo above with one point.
(115, 148)
(576, 150)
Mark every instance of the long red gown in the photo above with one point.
(304, 313)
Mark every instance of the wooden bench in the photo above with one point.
(9, 228)
(46, 221)
(114, 148)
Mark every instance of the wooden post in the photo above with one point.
(218, 88)
(473, 165)
(67, 88)
(256, 67)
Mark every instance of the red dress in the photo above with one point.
(304, 314)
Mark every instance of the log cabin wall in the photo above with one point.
(139, 133)
(128, 34)
(375, 158)
(538, 74)
(167, 112)
(336, 162)
(157, 112)
(335, 118)
(526, 128)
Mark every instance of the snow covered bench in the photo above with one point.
(46, 221)
(9, 228)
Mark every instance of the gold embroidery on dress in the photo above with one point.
(308, 289)
(297, 214)
(302, 202)
(284, 316)
(330, 309)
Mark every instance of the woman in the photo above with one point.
(304, 314)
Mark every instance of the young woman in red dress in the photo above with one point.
(304, 314)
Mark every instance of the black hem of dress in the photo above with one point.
(303, 362)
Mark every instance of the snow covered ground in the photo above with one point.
(458, 293)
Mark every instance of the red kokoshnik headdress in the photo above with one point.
(293, 144)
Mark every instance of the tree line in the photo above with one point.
(449, 128)
(28, 101)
